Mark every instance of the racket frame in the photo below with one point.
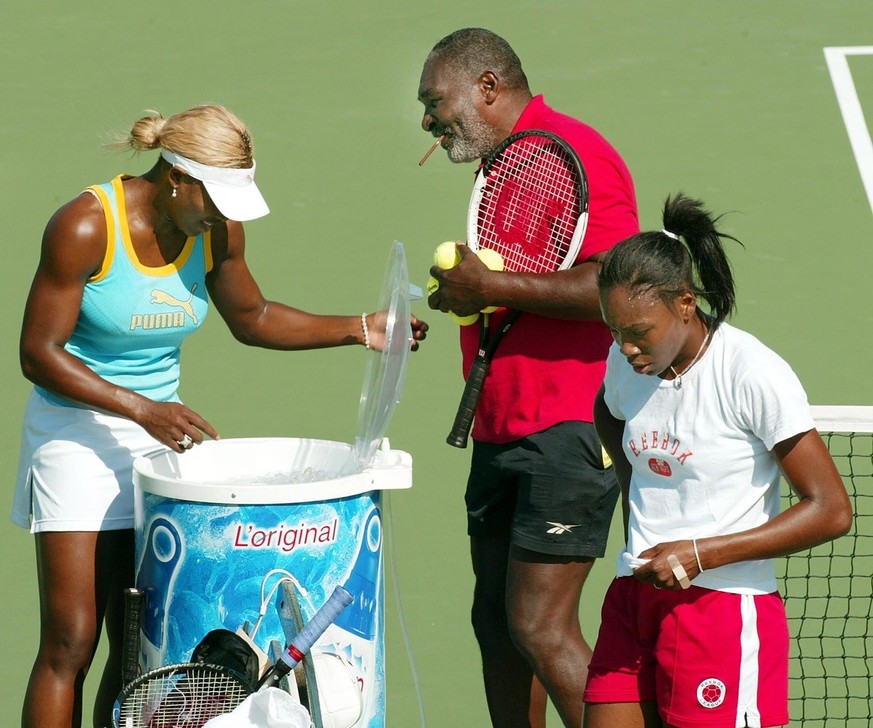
(124, 714)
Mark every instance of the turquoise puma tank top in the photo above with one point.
(133, 317)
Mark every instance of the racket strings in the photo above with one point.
(530, 206)
(185, 698)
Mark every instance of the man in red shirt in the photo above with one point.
(539, 497)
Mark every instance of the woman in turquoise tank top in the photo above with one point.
(123, 278)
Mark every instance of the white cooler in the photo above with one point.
(214, 522)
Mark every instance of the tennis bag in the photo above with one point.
(227, 649)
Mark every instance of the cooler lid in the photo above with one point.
(385, 372)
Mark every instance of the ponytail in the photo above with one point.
(660, 263)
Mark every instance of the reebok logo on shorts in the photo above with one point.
(711, 692)
(559, 528)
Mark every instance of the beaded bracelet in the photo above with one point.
(366, 330)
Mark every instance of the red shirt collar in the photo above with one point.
(531, 112)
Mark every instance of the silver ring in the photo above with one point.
(185, 442)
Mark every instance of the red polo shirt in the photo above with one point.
(549, 370)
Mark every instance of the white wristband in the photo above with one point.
(366, 330)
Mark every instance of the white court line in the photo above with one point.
(850, 106)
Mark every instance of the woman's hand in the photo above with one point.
(173, 424)
(377, 323)
(661, 573)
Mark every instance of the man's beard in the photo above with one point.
(477, 138)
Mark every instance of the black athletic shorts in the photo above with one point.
(549, 491)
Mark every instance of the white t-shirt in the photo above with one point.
(701, 454)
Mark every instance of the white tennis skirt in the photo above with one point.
(75, 472)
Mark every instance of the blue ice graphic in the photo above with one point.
(162, 550)
(203, 566)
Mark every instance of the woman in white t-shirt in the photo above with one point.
(694, 631)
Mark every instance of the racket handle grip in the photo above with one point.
(134, 605)
(306, 637)
(467, 408)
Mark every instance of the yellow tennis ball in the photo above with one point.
(432, 285)
(491, 258)
(493, 261)
(463, 320)
(446, 255)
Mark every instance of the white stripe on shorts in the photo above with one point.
(748, 714)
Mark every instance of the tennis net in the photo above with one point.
(828, 592)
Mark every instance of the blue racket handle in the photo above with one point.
(316, 626)
(307, 637)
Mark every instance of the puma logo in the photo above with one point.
(159, 296)
(169, 319)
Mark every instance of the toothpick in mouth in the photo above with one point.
(432, 149)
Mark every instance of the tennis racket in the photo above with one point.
(529, 204)
(134, 605)
(302, 643)
(179, 696)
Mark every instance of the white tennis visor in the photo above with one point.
(233, 190)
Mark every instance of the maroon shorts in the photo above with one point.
(707, 658)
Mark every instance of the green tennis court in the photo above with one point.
(734, 102)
